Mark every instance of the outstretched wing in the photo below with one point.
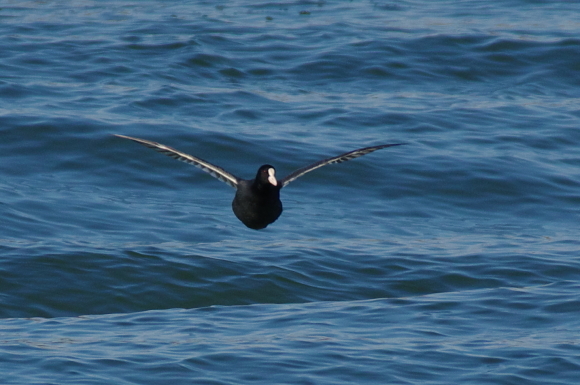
(213, 170)
(337, 159)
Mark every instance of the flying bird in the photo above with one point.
(257, 201)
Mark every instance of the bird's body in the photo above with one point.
(257, 201)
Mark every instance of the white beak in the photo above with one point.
(271, 177)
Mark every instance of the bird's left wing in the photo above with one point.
(337, 159)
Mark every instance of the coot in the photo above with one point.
(257, 201)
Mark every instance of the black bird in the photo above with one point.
(257, 201)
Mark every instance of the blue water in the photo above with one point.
(452, 260)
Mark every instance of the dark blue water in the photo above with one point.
(452, 260)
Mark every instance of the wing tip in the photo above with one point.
(130, 138)
(127, 137)
(394, 144)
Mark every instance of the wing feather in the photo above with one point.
(213, 170)
(337, 159)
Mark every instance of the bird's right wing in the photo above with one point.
(213, 170)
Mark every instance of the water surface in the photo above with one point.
(454, 259)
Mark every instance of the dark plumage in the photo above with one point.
(257, 201)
